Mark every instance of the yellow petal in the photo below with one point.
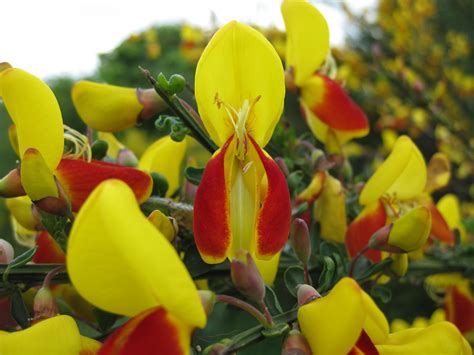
(440, 338)
(240, 64)
(439, 172)
(106, 108)
(165, 157)
(400, 264)
(332, 324)
(402, 174)
(330, 211)
(21, 209)
(89, 346)
(375, 325)
(268, 268)
(57, 335)
(412, 230)
(448, 205)
(35, 111)
(163, 224)
(307, 42)
(120, 262)
(114, 144)
(36, 177)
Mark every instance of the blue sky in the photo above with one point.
(52, 37)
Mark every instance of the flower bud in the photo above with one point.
(45, 305)
(6, 252)
(10, 185)
(60, 206)
(295, 344)
(208, 300)
(406, 234)
(300, 240)
(246, 277)
(399, 265)
(306, 294)
(126, 157)
(167, 226)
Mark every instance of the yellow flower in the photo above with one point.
(328, 110)
(111, 108)
(56, 335)
(321, 320)
(111, 233)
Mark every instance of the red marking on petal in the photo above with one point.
(211, 210)
(371, 219)
(274, 219)
(49, 251)
(153, 331)
(337, 109)
(459, 309)
(79, 178)
(439, 228)
(364, 346)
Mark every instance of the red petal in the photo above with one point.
(153, 331)
(273, 224)
(439, 228)
(49, 251)
(459, 308)
(371, 218)
(211, 210)
(79, 178)
(364, 346)
(337, 109)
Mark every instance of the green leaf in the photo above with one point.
(293, 277)
(99, 149)
(105, 320)
(271, 300)
(160, 184)
(19, 311)
(177, 83)
(163, 83)
(383, 293)
(277, 330)
(326, 278)
(22, 259)
(374, 269)
(194, 175)
(194, 262)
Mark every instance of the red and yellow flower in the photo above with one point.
(399, 185)
(46, 171)
(153, 286)
(242, 201)
(329, 112)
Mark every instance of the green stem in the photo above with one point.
(356, 258)
(179, 110)
(247, 307)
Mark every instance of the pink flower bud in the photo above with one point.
(10, 185)
(45, 305)
(127, 158)
(246, 277)
(295, 344)
(306, 294)
(6, 252)
(300, 240)
(208, 299)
